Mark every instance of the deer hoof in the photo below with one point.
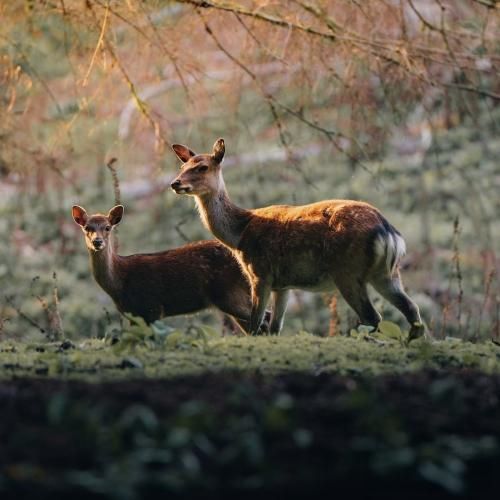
(417, 330)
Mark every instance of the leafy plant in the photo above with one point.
(136, 332)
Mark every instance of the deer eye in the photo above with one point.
(107, 228)
(202, 168)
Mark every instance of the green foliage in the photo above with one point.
(390, 330)
(137, 333)
(40, 44)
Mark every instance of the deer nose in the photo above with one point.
(175, 184)
(98, 243)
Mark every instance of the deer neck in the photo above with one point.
(222, 217)
(104, 266)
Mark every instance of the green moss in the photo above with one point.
(96, 360)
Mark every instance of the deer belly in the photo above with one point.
(305, 273)
(159, 303)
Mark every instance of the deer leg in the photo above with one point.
(260, 297)
(238, 310)
(244, 324)
(238, 306)
(280, 302)
(391, 288)
(356, 295)
(230, 324)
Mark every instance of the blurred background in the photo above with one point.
(395, 102)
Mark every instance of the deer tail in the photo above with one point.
(390, 247)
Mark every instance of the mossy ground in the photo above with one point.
(96, 360)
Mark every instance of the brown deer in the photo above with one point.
(178, 281)
(342, 243)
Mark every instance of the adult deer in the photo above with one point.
(342, 243)
(178, 281)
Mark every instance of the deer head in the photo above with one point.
(97, 228)
(200, 174)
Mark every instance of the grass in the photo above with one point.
(97, 360)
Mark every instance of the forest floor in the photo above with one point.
(189, 417)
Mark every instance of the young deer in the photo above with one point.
(342, 243)
(179, 281)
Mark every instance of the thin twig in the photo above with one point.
(32, 322)
(458, 270)
(334, 316)
(180, 232)
(486, 298)
(116, 183)
(273, 103)
(56, 323)
(97, 47)
(117, 193)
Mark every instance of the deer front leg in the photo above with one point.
(279, 309)
(244, 323)
(260, 297)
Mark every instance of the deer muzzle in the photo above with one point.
(98, 243)
(179, 188)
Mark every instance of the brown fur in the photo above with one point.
(305, 246)
(314, 247)
(178, 281)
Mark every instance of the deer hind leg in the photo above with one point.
(356, 295)
(391, 288)
(280, 300)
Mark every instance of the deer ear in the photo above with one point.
(79, 215)
(218, 150)
(115, 215)
(183, 152)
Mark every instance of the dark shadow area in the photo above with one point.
(426, 434)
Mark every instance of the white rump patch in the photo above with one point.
(391, 248)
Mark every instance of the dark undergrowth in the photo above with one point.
(238, 434)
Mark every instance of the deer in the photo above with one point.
(178, 281)
(342, 244)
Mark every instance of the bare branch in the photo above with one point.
(97, 47)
